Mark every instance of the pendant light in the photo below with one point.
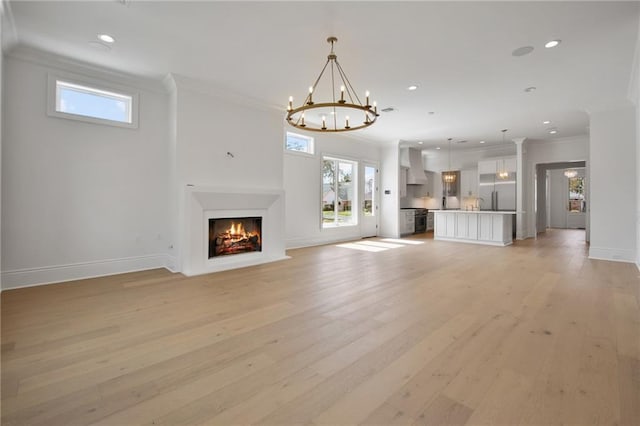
(502, 173)
(449, 176)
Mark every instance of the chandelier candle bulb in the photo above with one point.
(342, 95)
(310, 96)
(347, 120)
(375, 107)
(302, 117)
(367, 96)
(290, 107)
(324, 122)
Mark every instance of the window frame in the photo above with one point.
(355, 213)
(310, 139)
(52, 100)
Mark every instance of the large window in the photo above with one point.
(338, 192)
(299, 143)
(86, 102)
(576, 195)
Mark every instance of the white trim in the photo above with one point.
(612, 254)
(68, 66)
(52, 99)
(482, 242)
(296, 243)
(30, 277)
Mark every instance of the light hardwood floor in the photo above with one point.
(436, 333)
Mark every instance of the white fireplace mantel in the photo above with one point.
(204, 202)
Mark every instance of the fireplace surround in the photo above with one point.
(204, 203)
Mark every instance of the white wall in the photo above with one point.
(389, 191)
(545, 152)
(557, 199)
(79, 199)
(613, 184)
(210, 124)
(303, 186)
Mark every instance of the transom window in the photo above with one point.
(84, 102)
(338, 192)
(299, 143)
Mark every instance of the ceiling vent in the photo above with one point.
(462, 141)
(388, 109)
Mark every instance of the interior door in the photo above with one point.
(370, 200)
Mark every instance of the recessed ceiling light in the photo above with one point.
(412, 87)
(420, 143)
(546, 122)
(530, 89)
(437, 147)
(481, 141)
(552, 43)
(106, 38)
(521, 51)
(553, 131)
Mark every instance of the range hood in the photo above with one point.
(416, 175)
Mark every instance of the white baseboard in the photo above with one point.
(30, 277)
(294, 243)
(615, 255)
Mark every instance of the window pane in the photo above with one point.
(577, 203)
(369, 190)
(345, 192)
(328, 191)
(89, 102)
(299, 143)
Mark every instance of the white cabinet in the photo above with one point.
(402, 182)
(407, 222)
(469, 183)
(474, 227)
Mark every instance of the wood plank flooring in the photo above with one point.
(431, 333)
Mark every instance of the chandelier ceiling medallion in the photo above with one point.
(503, 173)
(340, 111)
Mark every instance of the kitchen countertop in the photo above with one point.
(474, 211)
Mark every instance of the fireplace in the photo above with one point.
(236, 235)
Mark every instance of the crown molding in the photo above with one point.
(48, 59)
(9, 29)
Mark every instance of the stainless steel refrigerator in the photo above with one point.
(497, 194)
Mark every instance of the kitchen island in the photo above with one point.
(477, 227)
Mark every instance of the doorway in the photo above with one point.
(562, 197)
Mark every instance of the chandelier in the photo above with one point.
(340, 111)
(570, 173)
(449, 176)
(503, 173)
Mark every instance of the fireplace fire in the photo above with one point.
(234, 235)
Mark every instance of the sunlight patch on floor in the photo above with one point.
(382, 245)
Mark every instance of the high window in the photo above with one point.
(298, 143)
(338, 192)
(84, 102)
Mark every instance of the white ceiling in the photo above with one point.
(459, 53)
